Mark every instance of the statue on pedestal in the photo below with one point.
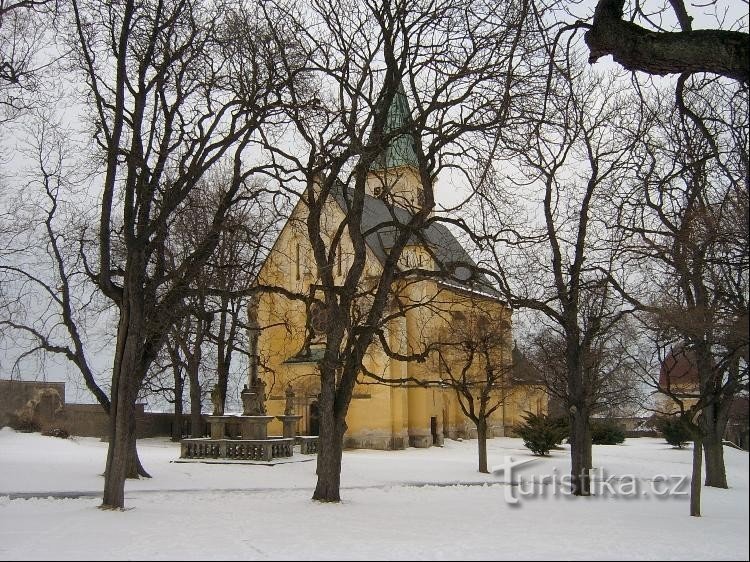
(247, 401)
(289, 407)
(216, 401)
(254, 398)
(260, 397)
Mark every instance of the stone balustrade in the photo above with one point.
(308, 444)
(237, 449)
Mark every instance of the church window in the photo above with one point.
(319, 319)
(297, 264)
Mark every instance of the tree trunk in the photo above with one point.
(330, 444)
(196, 416)
(695, 482)
(135, 468)
(330, 451)
(716, 473)
(179, 390)
(713, 422)
(120, 454)
(655, 52)
(222, 379)
(482, 444)
(580, 452)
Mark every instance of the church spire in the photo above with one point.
(400, 151)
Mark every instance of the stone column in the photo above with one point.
(253, 330)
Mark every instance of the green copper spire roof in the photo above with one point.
(400, 151)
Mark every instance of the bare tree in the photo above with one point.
(174, 91)
(24, 27)
(474, 361)
(558, 263)
(683, 217)
(611, 369)
(242, 247)
(459, 65)
(48, 307)
(203, 344)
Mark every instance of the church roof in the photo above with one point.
(400, 151)
(381, 222)
(524, 371)
(679, 368)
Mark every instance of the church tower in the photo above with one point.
(394, 175)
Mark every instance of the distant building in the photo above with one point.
(679, 377)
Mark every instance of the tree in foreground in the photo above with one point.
(474, 360)
(558, 262)
(681, 217)
(658, 51)
(455, 70)
(175, 89)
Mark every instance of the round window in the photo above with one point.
(319, 318)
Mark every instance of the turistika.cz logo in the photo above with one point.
(602, 485)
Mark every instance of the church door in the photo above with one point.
(313, 425)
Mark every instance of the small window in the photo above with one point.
(297, 267)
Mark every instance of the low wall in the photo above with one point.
(89, 420)
(15, 394)
(85, 420)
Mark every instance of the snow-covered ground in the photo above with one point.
(412, 504)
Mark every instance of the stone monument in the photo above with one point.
(216, 401)
(254, 421)
(289, 419)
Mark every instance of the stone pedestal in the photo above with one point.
(290, 425)
(219, 425)
(254, 427)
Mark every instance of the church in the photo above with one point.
(388, 410)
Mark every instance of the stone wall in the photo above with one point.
(85, 420)
(15, 394)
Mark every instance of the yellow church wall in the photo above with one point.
(401, 183)
(522, 399)
(432, 305)
(380, 415)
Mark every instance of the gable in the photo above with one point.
(382, 221)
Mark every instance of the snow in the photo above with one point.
(411, 504)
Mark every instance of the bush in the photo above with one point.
(674, 429)
(540, 433)
(22, 423)
(56, 432)
(606, 432)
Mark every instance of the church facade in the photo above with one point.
(396, 403)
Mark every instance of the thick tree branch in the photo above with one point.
(716, 51)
